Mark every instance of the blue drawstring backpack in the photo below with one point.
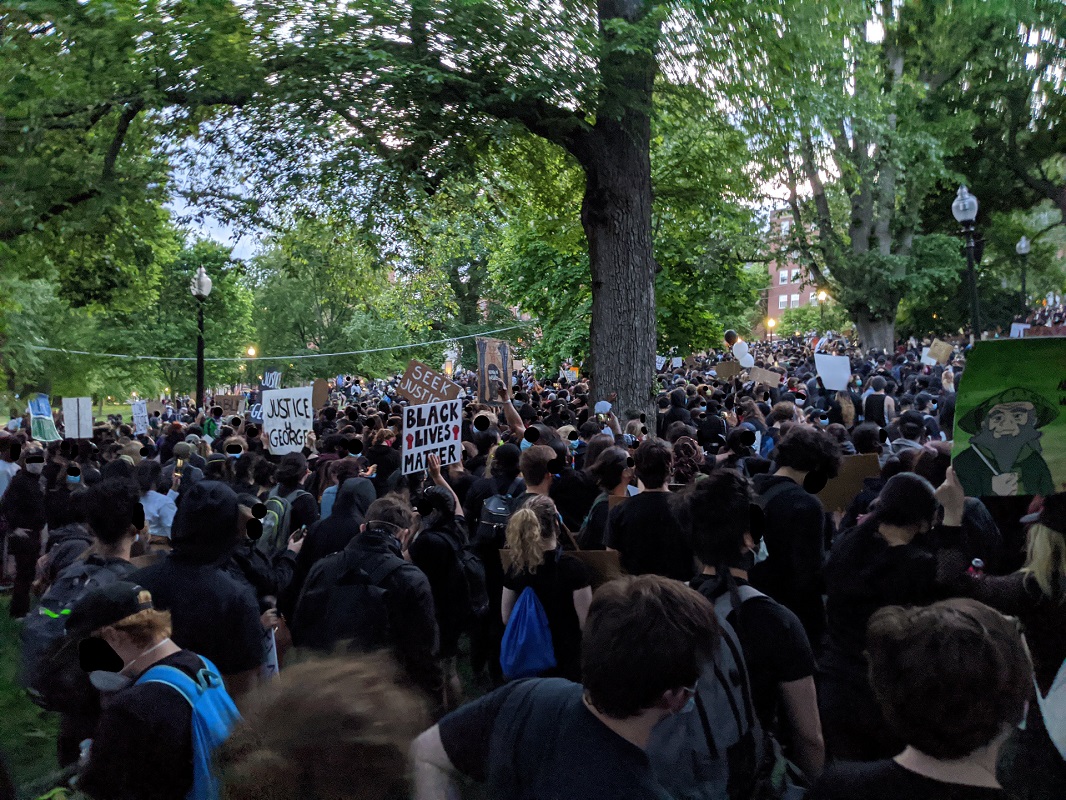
(213, 717)
(526, 650)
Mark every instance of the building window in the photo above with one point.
(782, 279)
(782, 301)
(796, 275)
(795, 301)
(786, 226)
(811, 299)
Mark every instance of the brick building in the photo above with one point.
(789, 287)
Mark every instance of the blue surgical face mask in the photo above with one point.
(73, 478)
(526, 444)
(823, 422)
(574, 444)
(858, 383)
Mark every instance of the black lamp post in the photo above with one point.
(964, 209)
(1022, 249)
(201, 290)
(822, 297)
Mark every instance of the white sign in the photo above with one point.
(140, 417)
(288, 415)
(835, 371)
(78, 417)
(432, 429)
(1018, 329)
(676, 362)
(660, 362)
(926, 359)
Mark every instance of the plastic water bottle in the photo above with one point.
(977, 568)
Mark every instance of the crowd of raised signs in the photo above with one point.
(679, 603)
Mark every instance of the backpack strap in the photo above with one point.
(513, 488)
(178, 680)
(383, 570)
(764, 499)
(723, 604)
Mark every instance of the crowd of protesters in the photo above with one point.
(713, 630)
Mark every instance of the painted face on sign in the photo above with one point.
(1009, 419)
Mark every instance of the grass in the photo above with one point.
(27, 734)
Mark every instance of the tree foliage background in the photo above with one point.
(423, 170)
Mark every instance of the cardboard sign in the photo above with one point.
(727, 370)
(940, 351)
(841, 490)
(760, 375)
(421, 384)
(319, 393)
(156, 405)
(232, 404)
(78, 417)
(835, 371)
(288, 415)
(139, 408)
(493, 369)
(432, 429)
(1010, 418)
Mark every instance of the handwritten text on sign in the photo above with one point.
(287, 417)
(432, 429)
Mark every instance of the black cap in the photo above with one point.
(205, 526)
(105, 606)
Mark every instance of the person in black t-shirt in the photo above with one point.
(645, 643)
(952, 680)
(716, 515)
(560, 582)
(643, 529)
(613, 470)
(213, 613)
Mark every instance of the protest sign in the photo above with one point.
(232, 405)
(676, 362)
(835, 371)
(420, 385)
(1010, 429)
(78, 417)
(660, 362)
(940, 351)
(760, 375)
(727, 370)
(841, 490)
(319, 393)
(42, 426)
(140, 417)
(271, 380)
(287, 417)
(432, 429)
(155, 405)
(927, 359)
(1018, 329)
(493, 369)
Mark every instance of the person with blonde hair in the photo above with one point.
(335, 727)
(144, 745)
(560, 582)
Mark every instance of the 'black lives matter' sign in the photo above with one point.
(432, 429)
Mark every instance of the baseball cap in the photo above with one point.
(1051, 513)
(106, 606)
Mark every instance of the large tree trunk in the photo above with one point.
(879, 334)
(616, 216)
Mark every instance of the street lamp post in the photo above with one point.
(770, 323)
(964, 209)
(1022, 249)
(201, 290)
(822, 297)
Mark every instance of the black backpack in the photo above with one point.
(495, 514)
(343, 600)
(51, 671)
(474, 590)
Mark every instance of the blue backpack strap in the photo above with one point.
(174, 678)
